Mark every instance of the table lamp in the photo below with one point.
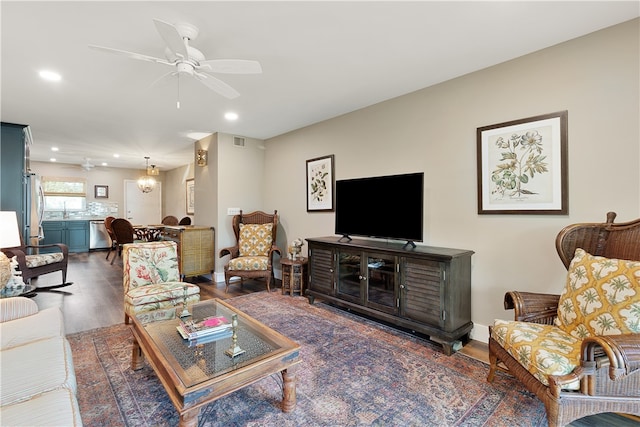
(9, 238)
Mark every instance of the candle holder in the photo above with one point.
(234, 350)
(185, 310)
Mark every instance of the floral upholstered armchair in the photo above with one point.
(151, 280)
(579, 352)
(252, 256)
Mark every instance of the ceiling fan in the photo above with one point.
(189, 61)
(87, 165)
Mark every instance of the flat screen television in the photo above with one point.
(388, 207)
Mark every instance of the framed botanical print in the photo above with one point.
(320, 184)
(522, 166)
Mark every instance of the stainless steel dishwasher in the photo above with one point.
(98, 236)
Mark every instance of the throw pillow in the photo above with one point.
(601, 296)
(255, 239)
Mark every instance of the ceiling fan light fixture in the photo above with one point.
(146, 183)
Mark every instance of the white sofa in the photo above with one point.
(37, 381)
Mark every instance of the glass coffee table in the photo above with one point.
(194, 375)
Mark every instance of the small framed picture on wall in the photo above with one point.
(191, 203)
(101, 191)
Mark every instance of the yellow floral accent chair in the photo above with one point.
(252, 256)
(151, 280)
(579, 351)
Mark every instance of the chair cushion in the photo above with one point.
(249, 263)
(47, 323)
(541, 349)
(601, 297)
(150, 263)
(156, 293)
(255, 239)
(53, 408)
(50, 367)
(43, 259)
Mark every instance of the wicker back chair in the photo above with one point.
(609, 366)
(185, 221)
(123, 232)
(170, 220)
(244, 261)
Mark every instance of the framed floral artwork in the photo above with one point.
(522, 166)
(320, 184)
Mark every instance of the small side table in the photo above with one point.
(294, 275)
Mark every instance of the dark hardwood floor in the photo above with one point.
(96, 297)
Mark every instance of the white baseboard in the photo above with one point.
(480, 333)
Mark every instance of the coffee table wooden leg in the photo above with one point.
(137, 356)
(190, 419)
(288, 390)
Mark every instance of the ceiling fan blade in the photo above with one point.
(232, 66)
(172, 38)
(131, 55)
(217, 85)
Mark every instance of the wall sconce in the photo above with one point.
(201, 158)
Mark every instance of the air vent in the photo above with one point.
(238, 142)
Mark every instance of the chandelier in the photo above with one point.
(147, 183)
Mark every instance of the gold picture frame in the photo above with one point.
(190, 196)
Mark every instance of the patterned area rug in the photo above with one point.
(354, 372)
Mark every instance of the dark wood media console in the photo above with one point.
(424, 289)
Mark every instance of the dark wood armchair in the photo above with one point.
(606, 377)
(123, 232)
(32, 262)
(252, 255)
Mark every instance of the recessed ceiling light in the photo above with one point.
(54, 148)
(116, 155)
(231, 116)
(104, 164)
(51, 76)
(52, 159)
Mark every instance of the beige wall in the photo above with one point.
(112, 177)
(175, 191)
(595, 78)
(233, 178)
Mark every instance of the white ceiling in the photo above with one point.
(320, 60)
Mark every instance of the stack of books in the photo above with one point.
(207, 330)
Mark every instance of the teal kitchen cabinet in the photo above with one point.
(74, 234)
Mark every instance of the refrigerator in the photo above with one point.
(33, 209)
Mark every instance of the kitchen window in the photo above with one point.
(64, 193)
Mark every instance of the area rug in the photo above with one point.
(354, 372)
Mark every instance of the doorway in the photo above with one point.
(142, 208)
